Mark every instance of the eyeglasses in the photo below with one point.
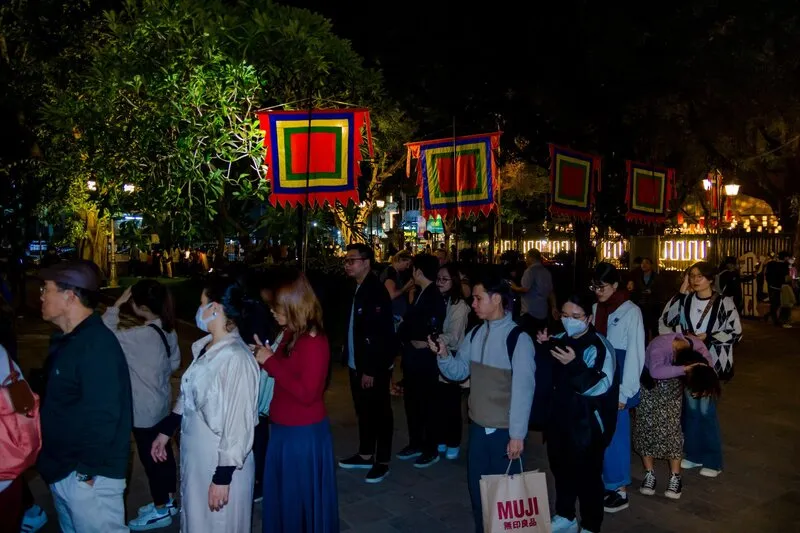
(598, 287)
(351, 260)
(444, 280)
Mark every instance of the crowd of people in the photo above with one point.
(625, 374)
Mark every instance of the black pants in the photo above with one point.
(448, 405)
(260, 441)
(780, 315)
(419, 398)
(578, 475)
(161, 476)
(375, 418)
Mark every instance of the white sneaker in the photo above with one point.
(686, 464)
(155, 519)
(34, 520)
(442, 448)
(559, 524)
(147, 509)
(452, 453)
(709, 472)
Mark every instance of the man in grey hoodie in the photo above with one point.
(501, 387)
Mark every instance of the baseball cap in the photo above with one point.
(81, 274)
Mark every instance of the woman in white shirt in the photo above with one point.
(152, 353)
(217, 411)
(620, 321)
(448, 281)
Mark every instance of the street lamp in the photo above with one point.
(714, 185)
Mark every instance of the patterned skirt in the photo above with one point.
(657, 432)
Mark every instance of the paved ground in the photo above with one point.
(759, 490)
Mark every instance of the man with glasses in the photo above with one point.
(369, 351)
(87, 413)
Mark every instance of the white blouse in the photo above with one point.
(221, 387)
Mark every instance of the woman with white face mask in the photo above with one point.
(217, 414)
(582, 417)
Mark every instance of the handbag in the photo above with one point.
(515, 502)
(20, 429)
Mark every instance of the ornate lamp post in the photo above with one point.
(715, 186)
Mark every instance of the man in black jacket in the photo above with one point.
(369, 353)
(87, 413)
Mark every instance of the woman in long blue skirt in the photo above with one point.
(299, 472)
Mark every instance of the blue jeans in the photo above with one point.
(702, 440)
(486, 456)
(617, 461)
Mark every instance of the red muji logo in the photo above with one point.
(518, 508)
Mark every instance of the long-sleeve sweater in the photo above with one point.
(488, 347)
(659, 356)
(299, 381)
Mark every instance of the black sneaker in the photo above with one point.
(648, 487)
(615, 502)
(355, 462)
(408, 453)
(674, 488)
(424, 461)
(377, 473)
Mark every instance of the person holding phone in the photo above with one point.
(582, 417)
(497, 356)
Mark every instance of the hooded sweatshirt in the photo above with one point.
(501, 390)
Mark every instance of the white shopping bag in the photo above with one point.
(515, 502)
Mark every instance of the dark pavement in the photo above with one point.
(759, 489)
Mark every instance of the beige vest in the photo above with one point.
(489, 395)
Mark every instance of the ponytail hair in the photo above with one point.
(158, 299)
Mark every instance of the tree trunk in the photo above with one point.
(94, 244)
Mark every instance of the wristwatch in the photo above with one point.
(85, 478)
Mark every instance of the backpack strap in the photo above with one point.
(511, 341)
(163, 338)
(474, 332)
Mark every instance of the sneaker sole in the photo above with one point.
(173, 511)
(155, 525)
(374, 481)
(613, 510)
(647, 492)
(355, 467)
(451, 457)
(407, 457)
(258, 500)
(673, 495)
(685, 465)
(711, 474)
(426, 465)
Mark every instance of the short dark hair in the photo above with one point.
(706, 270)
(584, 301)
(364, 251)
(605, 273)
(228, 293)
(494, 284)
(534, 254)
(88, 299)
(428, 264)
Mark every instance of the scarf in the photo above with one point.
(604, 309)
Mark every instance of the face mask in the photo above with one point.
(202, 323)
(573, 326)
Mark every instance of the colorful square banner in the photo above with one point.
(314, 157)
(457, 176)
(648, 192)
(573, 176)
